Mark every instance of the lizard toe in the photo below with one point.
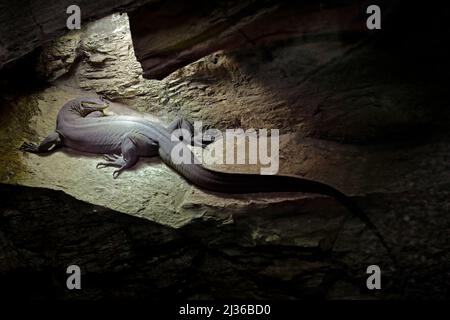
(116, 173)
(101, 165)
(28, 147)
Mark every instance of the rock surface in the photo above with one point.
(263, 246)
(27, 25)
(352, 90)
(181, 33)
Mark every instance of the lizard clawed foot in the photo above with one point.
(112, 160)
(28, 147)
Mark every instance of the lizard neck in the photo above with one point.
(70, 111)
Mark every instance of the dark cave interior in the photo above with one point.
(363, 110)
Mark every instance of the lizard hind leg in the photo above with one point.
(183, 124)
(50, 143)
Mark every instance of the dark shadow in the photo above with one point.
(357, 85)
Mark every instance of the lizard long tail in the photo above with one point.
(238, 183)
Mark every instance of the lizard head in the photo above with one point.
(88, 105)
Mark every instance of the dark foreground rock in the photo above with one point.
(43, 231)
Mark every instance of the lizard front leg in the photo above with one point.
(49, 144)
(132, 146)
(112, 160)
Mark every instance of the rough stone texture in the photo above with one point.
(170, 35)
(163, 46)
(349, 90)
(109, 51)
(123, 256)
(57, 59)
(366, 115)
(26, 25)
(100, 58)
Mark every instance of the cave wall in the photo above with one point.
(27, 25)
(180, 33)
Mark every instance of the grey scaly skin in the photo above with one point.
(124, 139)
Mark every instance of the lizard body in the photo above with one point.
(123, 139)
